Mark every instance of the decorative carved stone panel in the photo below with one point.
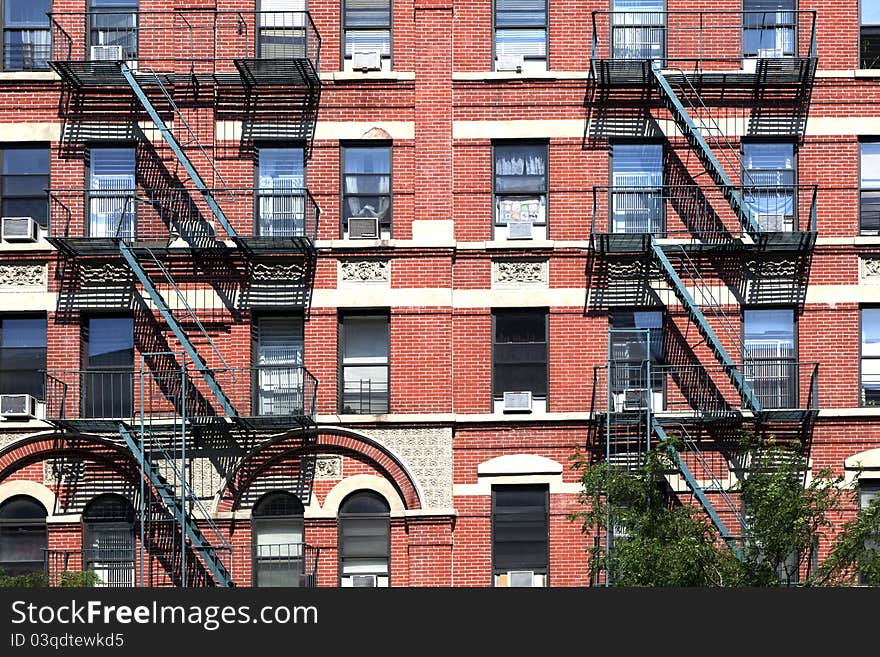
(520, 273)
(104, 274)
(355, 272)
(277, 272)
(328, 467)
(427, 452)
(23, 275)
(869, 270)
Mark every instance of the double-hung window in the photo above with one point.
(519, 356)
(366, 27)
(281, 192)
(282, 30)
(768, 179)
(869, 34)
(366, 192)
(364, 380)
(25, 178)
(27, 39)
(108, 540)
(520, 190)
(637, 188)
(22, 356)
(769, 28)
(113, 30)
(521, 35)
(112, 210)
(278, 548)
(638, 29)
(364, 540)
(23, 535)
(771, 356)
(279, 361)
(869, 187)
(870, 357)
(107, 380)
(637, 346)
(520, 535)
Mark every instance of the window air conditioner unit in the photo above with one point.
(106, 54)
(635, 399)
(520, 578)
(20, 229)
(18, 406)
(770, 53)
(366, 60)
(774, 222)
(360, 581)
(363, 228)
(517, 401)
(510, 63)
(519, 230)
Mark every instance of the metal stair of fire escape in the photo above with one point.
(176, 506)
(699, 491)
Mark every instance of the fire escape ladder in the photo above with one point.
(696, 315)
(175, 145)
(698, 490)
(178, 508)
(676, 105)
(168, 315)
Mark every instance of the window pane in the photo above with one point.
(280, 341)
(281, 163)
(520, 326)
(363, 40)
(527, 42)
(366, 339)
(23, 333)
(367, 160)
(27, 13)
(769, 333)
(111, 342)
(510, 13)
(871, 332)
(520, 530)
(870, 164)
(869, 12)
(520, 377)
(25, 161)
(520, 168)
(637, 165)
(367, 13)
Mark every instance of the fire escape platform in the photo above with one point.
(278, 72)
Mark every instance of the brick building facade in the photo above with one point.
(292, 266)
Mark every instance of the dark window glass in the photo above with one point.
(27, 39)
(364, 538)
(520, 529)
(367, 27)
(279, 552)
(23, 536)
(519, 352)
(870, 365)
(869, 42)
(771, 359)
(769, 28)
(869, 490)
(366, 186)
(365, 341)
(869, 186)
(109, 364)
(25, 178)
(108, 539)
(520, 185)
(22, 356)
(521, 34)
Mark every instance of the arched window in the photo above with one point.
(23, 535)
(364, 540)
(108, 539)
(278, 549)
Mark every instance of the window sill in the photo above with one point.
(354, 76)
(36, 76)
(490, 76)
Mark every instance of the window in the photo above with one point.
(637, 338)
(637, 188)
(870, 366)
(27, 39)
(279, 361)
(366, 192)
(520, 535)
(771, 357)
(769, 28)
(364, 540)
(638, 29)
(520, 191)
(869, 38)
(112, 210)
(281, 192)
(278, 549)
(768, 179)
(113, 29)
(24, 183)
(869, 490)
(282, 29)
(521, 35)
(22, 356)
(869, 187)
(366, 26)
(109, 367)
(108, 539)
(364, 380)
(519, 355)
(23, 536)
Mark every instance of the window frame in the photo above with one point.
(257, 519)
(14, 316)
(862, 190)
(4, 29)
(118, 8)
(344, 196)
(794, 362)
(545, 26)
(342, 516)
(87, 184)
(663, 177)
(121, 524)
(794, 27)
(795, 174)
(27, 523)
(343, 58)
(546, 313)
(545, 488)
(256, 335)
(24, 145)
(86, 368)
(343, 315)
(497, 227)
(875, 27)
(862, 357)
(257, 190)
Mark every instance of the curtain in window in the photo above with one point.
(768, 178)
(769, 28)
(368, 183)
(27, 38)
